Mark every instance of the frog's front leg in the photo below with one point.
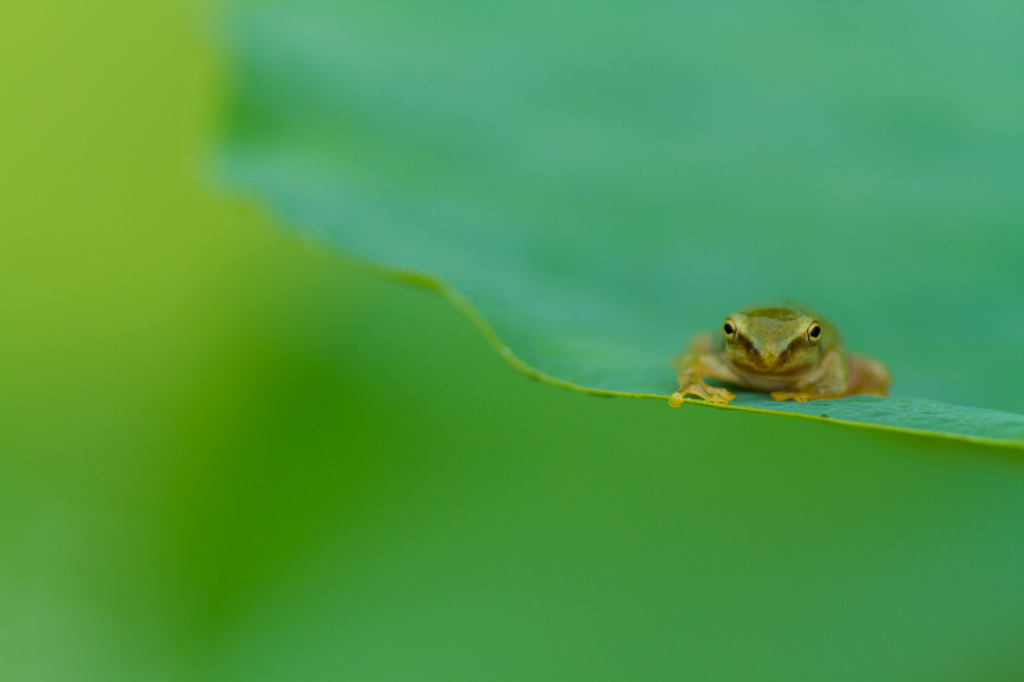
(834, 382)
(693, 367)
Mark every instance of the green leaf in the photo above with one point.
(595, 183)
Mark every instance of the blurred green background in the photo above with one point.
(225, 455)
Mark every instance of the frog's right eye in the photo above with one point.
(729, 329)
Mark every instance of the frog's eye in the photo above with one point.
(729, 329)
(814, 332)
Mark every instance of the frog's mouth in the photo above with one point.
(782, 365)
(774, 380)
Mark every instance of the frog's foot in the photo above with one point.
(803, 397)
(868, 376)
(697, 387)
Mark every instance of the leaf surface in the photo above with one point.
(595, 183)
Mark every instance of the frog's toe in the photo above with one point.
(694, 390)
(711, 394)
(798, 397)
(720, 395)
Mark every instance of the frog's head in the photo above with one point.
(772, 341)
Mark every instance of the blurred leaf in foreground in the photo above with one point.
(599, 182)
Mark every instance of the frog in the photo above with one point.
(783, 348)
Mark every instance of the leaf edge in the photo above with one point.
(436, 284)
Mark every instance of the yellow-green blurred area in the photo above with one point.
(227, 455)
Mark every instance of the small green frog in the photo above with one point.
(783, 348)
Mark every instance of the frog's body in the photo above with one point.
(784, 348)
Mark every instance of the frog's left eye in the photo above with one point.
(814, 332)
(730, 329)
